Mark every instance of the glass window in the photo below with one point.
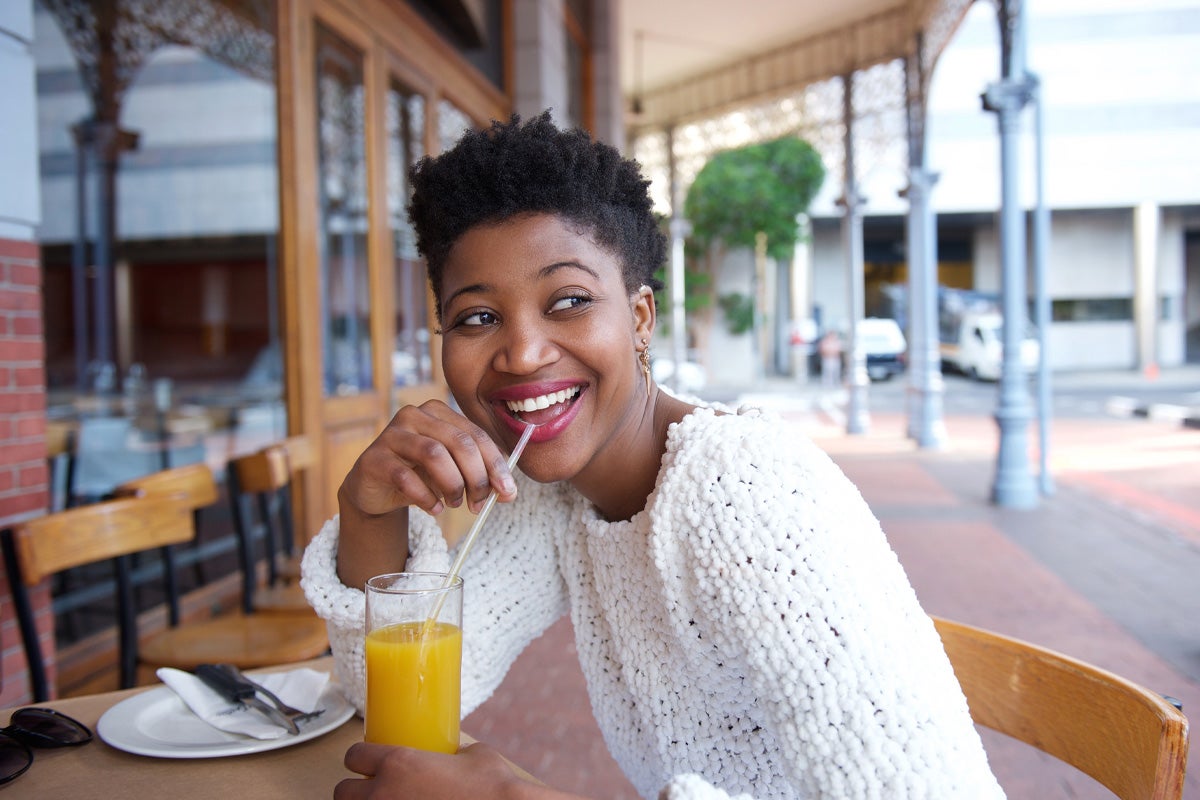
(342, 177)
(405, 136)
(160, 194)
(452, 123)
(1103, 309)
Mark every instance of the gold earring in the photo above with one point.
(644, 360)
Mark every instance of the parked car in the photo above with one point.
(885, 347)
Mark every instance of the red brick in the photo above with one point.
(31, 503)
(33, 476)
(20, 452)
(12, 249)
(23, 426)
(11, 300)
(20, 349)
(29, 275)
(18, 402)
(29, 377)
(25, 325)
(8, 479)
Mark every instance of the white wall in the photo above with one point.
(19, 199)
(1120, 97)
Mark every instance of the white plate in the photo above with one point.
(157, 723)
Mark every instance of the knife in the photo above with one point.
(238, 690)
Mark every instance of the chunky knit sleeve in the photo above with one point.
(793, 589)
(511, 590)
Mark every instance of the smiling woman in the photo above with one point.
(743, 626)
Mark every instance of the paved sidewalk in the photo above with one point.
(1105, 569)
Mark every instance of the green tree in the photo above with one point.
(738, 194)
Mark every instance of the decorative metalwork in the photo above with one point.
(111, 39)
(940, 24)
(814, 113)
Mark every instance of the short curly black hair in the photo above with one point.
(534, 167)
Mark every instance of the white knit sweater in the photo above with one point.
(749, 633)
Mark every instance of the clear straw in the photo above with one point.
(469, 539)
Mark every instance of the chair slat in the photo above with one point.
(74, 537)
(1125, 736)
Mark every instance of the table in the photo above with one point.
(307, 770)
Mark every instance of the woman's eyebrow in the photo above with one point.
(550, 269)
(473, 288)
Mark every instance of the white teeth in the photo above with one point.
(542, 401)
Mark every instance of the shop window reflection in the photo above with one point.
(342, 176)
(411, 363)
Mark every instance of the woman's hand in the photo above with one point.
(400, 772)
(428, 456)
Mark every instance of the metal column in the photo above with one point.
(926, 386)
(1014, 485)
(679, 230)
(857, 415)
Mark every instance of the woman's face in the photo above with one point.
(539, 328)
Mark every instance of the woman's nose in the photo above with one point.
(524, 349)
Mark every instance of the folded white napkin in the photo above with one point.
(300, 688)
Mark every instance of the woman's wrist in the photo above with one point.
(369, 544)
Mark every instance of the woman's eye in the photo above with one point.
(477, 319)
(567, 303)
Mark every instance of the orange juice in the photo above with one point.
(413, 690)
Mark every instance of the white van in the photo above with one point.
(975, 346)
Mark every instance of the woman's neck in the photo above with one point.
(620, 479)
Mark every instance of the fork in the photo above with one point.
(294, 714)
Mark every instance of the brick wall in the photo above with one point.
(23, 471)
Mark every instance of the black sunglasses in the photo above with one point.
(36, 727)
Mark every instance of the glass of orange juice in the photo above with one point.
(414, 660)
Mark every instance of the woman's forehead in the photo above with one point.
(528, 247)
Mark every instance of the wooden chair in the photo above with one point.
(116, 530)
(260, 498)
(1125, 736)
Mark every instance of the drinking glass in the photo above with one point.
(414, 660)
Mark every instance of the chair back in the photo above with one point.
(112, 530)
(1126, 736)
(261, 502)
(193, 485)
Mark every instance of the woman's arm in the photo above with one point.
(791, 580)
(474, 772)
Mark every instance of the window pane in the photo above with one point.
(452, 123)
(405, 127)
(342, 175)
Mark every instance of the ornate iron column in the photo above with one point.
(1013, 486)
(926, 387)
(857, 416)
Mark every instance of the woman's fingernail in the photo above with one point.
(508, 485)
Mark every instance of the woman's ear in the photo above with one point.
(645, 313)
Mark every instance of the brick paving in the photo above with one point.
(1104, 569)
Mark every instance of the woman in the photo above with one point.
(743, 626)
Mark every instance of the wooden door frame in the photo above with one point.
(394, 40)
